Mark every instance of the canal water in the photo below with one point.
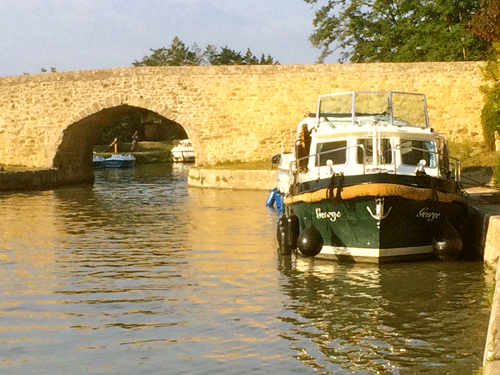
(140, 274)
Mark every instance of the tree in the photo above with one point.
(486, 25)
(231, 57)
(227, 57)
(486, 21)
(178, 54)
(397, 31)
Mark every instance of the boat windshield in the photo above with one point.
(410, 109)
(366, 149)
(334, 151)
(412, 151)
(394, 108)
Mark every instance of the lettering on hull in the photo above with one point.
(429, 215)
(332, 215)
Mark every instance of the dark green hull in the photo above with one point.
(379, 227)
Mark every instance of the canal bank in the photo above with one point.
(33, 179)
(488, 205)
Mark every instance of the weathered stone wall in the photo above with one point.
(230, 113)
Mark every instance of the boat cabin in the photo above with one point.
(358, 133)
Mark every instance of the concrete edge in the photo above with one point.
(29, 180)
(232, 179)
(37, 179)
(491, 358)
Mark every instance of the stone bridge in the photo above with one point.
(230, 113)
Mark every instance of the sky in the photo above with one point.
(99, 34)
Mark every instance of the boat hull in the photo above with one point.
(119, 163)
(183, 156)
(375, 229)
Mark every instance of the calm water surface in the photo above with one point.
(140, 275)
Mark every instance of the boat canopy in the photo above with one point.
(373, 108)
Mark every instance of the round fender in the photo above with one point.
(447, 245)
(310, 241)
(292, 228)
(280, 227)
(282, 236)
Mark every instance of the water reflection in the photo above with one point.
(402, 318)
(139, 274)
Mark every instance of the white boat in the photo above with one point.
(369, 180)
(98, 161)
(120, 161)
(183, 152)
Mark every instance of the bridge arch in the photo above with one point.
(73, 151)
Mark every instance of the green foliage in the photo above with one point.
(490, 115)
(124, 127)
(397, 31)
(472, 154)
(486, 25)
(496, 172)
(178, 55)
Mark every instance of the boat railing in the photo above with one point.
(290, 134)
(295, 165)
(456, 170)
(303, 163)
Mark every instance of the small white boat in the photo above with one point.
(98, 161)
(183, 152)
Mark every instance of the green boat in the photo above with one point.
(368, 180)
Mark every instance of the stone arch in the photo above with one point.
(71, 152)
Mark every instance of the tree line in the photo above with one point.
(180, 55)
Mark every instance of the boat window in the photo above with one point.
(334, 151)
(409, 109)
(367, 143)
(412, 151)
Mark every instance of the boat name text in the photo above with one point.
(430, 216)
(333, 216)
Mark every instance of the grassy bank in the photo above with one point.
(239, 165)
(473, 154)
(476, 160)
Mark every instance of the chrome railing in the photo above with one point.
(294, 166)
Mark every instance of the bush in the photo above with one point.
(490, 115)
(496, 172)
